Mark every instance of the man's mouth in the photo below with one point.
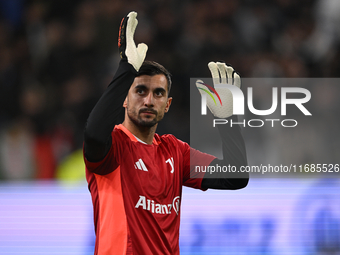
(148, 112)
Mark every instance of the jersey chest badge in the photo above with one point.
(171, 162)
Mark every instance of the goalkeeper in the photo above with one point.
(136, 176)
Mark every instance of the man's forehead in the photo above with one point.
(158, 80)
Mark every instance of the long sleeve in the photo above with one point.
(234, 154)
(107, 113)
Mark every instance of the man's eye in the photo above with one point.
(140, 91)
(159, 93)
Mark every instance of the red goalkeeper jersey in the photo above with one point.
(136, 193)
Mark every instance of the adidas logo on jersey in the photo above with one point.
(140, 165)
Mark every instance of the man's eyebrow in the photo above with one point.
(160, 90)
(140, 86)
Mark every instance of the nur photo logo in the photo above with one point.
(240, 101)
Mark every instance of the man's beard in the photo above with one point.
(138, 121)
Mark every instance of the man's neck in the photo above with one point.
(145, 134)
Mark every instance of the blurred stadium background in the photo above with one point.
(57, 57)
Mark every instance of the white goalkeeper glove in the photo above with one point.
(219, 99)
(126, 45)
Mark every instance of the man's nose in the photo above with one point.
(148, 100)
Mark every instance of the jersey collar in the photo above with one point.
(131, 136)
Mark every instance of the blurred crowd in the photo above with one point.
(58, 56)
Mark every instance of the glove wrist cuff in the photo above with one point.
(126, 66)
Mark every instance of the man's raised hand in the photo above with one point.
(220, 99)
(126, 44)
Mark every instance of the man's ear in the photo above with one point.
(168, 103)
(125, 102)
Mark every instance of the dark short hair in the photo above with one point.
(152, 68)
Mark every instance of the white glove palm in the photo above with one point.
(219, 99)
(126, 44)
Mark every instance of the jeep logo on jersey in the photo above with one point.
(151, 206)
